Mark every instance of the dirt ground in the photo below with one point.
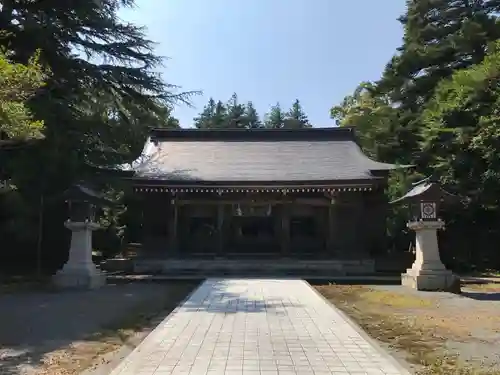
(432, 333)
(64, 333)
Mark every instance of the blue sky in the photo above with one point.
(270, 51)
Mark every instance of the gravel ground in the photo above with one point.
(472, 318)
(34, 324)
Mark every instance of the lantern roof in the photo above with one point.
(82, 193)
(428, 189)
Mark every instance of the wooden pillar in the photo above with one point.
(330, 230)
(220, 229)
(174, 228)
(285, 230)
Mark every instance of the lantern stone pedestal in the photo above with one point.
(428, 272)
(79, 271)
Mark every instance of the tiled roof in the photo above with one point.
(190, 155)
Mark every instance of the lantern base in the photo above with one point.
(443, 280)
(74, 278)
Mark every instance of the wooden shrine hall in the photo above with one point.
(294, 196)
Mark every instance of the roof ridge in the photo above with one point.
(305, 134)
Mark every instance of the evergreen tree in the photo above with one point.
(219, 119)
(203, 120)
(461, 132)
(252, 120)
(97, 105)
(169, 121)
(435, 107)
(296, 118)
(275, 119)
(18, 84)
(440, 36)
(235, 113)
(96, 109)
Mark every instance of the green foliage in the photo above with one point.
(461, 130)
(375, 121)
(101, 98)
(203, 120)
(234, 115)
(440, 36)
(18, 84)
(275, 119)
(296, 118)
(435, 106)
(252, 120)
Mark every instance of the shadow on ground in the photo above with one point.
(37, 323)
(216, 297)
(482, 296)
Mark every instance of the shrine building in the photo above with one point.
(302, 199)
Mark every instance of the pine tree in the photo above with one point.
(275, 119)
(235, 113)
(97, 106)
(461, 133)
(219, 119)
(440, 36)
(252, 120)
(296, 118)
(204, 119)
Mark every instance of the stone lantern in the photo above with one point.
(427, 272)
(80, 271)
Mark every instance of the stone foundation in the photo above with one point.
(439, 281)
(76, 279)
(262, 267)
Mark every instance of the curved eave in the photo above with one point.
(386, 167)
(377, 166)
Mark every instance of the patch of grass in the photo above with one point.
(88, 353)
(397, 300)
(483, 287)
(385, 316)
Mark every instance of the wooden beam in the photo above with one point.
(330, 239)
(220, 229)
(174, 228)
(285, 230)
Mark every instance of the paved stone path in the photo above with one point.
(256, 327)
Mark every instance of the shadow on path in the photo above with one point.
(34, 324)
(215, 297)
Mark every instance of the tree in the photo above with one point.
(97, 105)
(275, 119)
(18, 84)
(93, 56)
(219, 119)
(374, 119)
(461, 132)
(235, 113)
(440, 36)
(296, 118)
(252, 120)
(204, 119)
(435, 107)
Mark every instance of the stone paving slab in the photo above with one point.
(257, 327)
